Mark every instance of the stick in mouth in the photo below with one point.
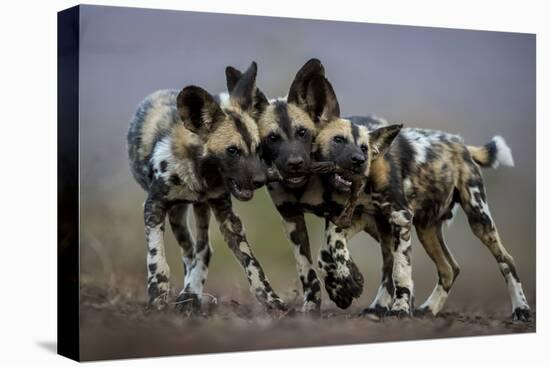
(355, 182)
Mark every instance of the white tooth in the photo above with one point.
(341, 180)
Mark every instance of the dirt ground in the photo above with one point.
(116, 324)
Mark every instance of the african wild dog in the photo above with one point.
(418, 181)
(185, 149)
(421, 178)
(288, 128)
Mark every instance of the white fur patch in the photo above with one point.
(515, 289)
(419, 142)
(184, 168)
(225, 100)
(449, 222)
(194, 280)
(155, 241)
(383, 298)
(341, 269)
(504, 153)
(399, 218)
(245, 248)
(380, 120)
(402, 273)
(278, 99)
(289, 227)
(436, 300)
(407, 186)
(483, 207)
(253, 274)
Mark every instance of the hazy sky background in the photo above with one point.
(473, 83)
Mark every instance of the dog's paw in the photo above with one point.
(312, 308)
(188, 303)
(343, 281)
(521, 314)
(158, 296)
(423, 311)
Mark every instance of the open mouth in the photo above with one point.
(296, 180)
(239, 192)
(341, 183)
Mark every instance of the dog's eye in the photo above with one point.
(364, 148)
(339, 139)
(232, 151)
(273, 137)
(301, 132)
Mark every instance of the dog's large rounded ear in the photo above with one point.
(321, 102)
(232, 76)
(244, 92)
(198, 110)
(381, 139)
(298, 89)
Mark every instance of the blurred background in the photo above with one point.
(473, 83)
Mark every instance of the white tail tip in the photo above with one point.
(504, 153)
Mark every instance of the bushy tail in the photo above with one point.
(493, 153)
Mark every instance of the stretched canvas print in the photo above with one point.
(231, 183)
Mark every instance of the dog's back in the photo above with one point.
(152, 121)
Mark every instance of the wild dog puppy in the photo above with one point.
(184, 150)
(288, 128)
(418, 182)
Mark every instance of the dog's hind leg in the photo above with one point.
(195, 254)
(474, 203)
(383, 300)
(177, 216)
(431, 237)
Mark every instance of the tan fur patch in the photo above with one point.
(379, 173)
(480, 154)
(252, 127)
(182, 140)
(299, 117)
(363, 138)
(269, 123)
(336, 127)
(159, 118)
(226, 134)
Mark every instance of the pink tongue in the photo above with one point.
(246, 194)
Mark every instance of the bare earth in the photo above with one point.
(117, 325)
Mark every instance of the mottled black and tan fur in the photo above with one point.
(288, 128)
(418, 182)
(415, 180)
(185, 149)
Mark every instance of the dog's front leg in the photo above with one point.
(158, 272)
(296, 230)
(343, 280)
(233, 232)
